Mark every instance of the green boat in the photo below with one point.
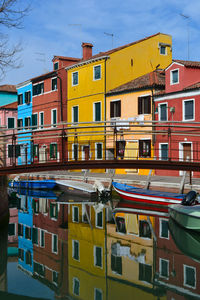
(185, 215)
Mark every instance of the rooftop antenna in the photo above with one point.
(188, 19)
(110, 34)
(42, 58)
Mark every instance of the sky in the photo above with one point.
(59, 28)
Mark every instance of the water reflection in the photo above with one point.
(84, 250)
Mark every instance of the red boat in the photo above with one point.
(140, 195)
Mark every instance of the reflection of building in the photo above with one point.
(130, 256)
(3, 258)
(86, 258)
(50, 244)
(177, 273)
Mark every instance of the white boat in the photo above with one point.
(78, 188)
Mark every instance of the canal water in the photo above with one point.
(63, 248)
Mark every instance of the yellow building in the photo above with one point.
(90, 80)
(86, 252)
(130, 110)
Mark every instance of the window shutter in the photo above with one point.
(139, 105)
(17, 152)
(51, 150)
(119, 108)
(111, 109)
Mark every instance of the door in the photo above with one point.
(185, 153)
(24, 154)
(43, 154)
(86, 152)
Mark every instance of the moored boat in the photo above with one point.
(140, 195)
(33, 184)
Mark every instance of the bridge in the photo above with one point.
(101, 145)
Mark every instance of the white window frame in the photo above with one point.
(101, 227)
(160, 273)
(53, 271)
(184, 276)
(95, 247)
(171, 77)
(160, 229)
(73, 113)
(94, 73)
(96, 151)
(76, 241)
(159, 111)
(73, 214)
(37, 122)
(94, 111)
(42, 91)
(56, 84)
(41, 125)
(183, 109)
(76, 279)
(52, 124)
(73, 78)
(165, 49)
(83, 211)
(160, 150)
(52, 242)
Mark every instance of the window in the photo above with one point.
(53, 117)
(39, 269)
(75, 214)
(99, 219)
(97, 111)
(164, 268)
(189, 276)
(55, 277)
(14, 151)
(74, 78)
(162, 110)
(53, 151)
(35, 235)
(41, 119)
(38, 89)
(76, 286)
(35, 151)
(115, 109)
(163, 50)
(34, 121)
(19, 124)
(27, 233)
(75, 249)
(42, 238)
(28, 258)
(86, 213)
(163, 151)
(145, 272)
(97, 72)
(28, 97)
(98, 151)
(164, 229)
(75, 151)
(144, 105)
(20, 229)
(11, 123)
(174, 76)
(20, 99)
(27, 122)
(54, 243)
(144, 229)
(55, 66)
(75, 114)
(54, 84)
(120, 225)
(53, 211)
(144, 148)
(11, 229)
(116, 263)
(188, 110)
(98, 256)
(98, 294)
(21, 254)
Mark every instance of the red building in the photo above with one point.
(49, 104)
(178, 109)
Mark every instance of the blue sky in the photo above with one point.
(59, 27)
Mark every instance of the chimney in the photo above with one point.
(87, 50)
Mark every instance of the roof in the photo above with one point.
(188, 63)
(44, 76)
(152, 79)
(65, 58)
(8, 88)
(12, 105)
(193, 86)
(106, 53)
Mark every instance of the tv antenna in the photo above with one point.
(187, 18)
(42, 58)
(110, 34)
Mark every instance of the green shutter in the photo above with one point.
(11, 123)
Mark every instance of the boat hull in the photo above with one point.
(33, 184)
(186, 216)
(139, 195)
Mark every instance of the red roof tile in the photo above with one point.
(8, 88)
(153, 79)
(10, 105)
(188, 63)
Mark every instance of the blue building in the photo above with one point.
(25, 233)
(24, 91)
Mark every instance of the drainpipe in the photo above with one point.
(105, 107)
(61, 108)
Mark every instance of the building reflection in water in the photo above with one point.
(85, 251)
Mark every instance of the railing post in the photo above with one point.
(63, 144)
